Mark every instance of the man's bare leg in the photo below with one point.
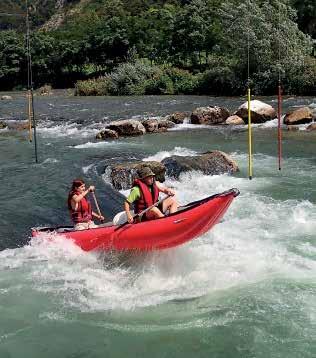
(154, 213)
(170, 204)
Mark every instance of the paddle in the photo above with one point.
(142, 212)
(97, 205)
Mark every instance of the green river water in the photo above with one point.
(245, 289)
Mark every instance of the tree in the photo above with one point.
(12, 49)
(267, 27)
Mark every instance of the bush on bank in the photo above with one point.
(143, 79)
(139, 79)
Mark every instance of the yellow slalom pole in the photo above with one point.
(249, 138)
(30, 115)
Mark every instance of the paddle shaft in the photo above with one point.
(97, 205)
(144, 211)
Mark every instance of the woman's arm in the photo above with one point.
(77, 198)
(97, 216)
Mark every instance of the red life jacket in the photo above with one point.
(83, 213)
(147, 197)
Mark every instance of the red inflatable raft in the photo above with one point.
(189, 222)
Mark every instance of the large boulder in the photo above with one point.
(107, 134)
(234, 120)
(260, 112)
(209, 115)
(211, 163)
(178, 117)
(127, 127)
(151, 125)
(6, 97)
(122, 175)
(311, 127)
(299, 116)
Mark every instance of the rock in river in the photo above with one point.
(122, 175)
(209, 115)
(260, 112)
(127, 127)
(211, 163)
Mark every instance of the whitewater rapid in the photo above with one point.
(259, 239)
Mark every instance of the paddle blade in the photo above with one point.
(121, 218)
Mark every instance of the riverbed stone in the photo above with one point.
(127, 127)
(292, 128)
(234, 120)
(151, 125)
(165, 124)
(209, 115)
(45, 90)
(260, 112)
(311, 127)
(6, 98)
(122, 175)
(299, 116)
(3, 125)
(178, 117)
(210, 163)
(107, 134)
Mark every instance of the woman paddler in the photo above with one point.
(145, 193)
(80, 208)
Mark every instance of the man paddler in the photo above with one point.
(145, 193)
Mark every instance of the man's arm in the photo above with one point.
(128, 213)
(134, 195)
(165, 190)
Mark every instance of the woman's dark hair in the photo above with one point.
(75, 185)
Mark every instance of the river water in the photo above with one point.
(245, 289)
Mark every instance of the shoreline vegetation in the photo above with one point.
(120, 47)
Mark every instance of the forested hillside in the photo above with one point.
(170, 46)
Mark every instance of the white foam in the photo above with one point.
(176, 151)
(50, 161)
(49, 129)
(87, 168)
(189, 126)
(93, 145)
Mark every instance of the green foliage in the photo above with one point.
(12, 57)
(306, 12)
(192, 46)
(183, 81)
(93, 87)
(219, 81)
(128, 78)
(160, 84)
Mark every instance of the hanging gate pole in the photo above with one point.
(249, 136)
(279, 99)
(279, 125)
(32, 121)
(249, 102)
